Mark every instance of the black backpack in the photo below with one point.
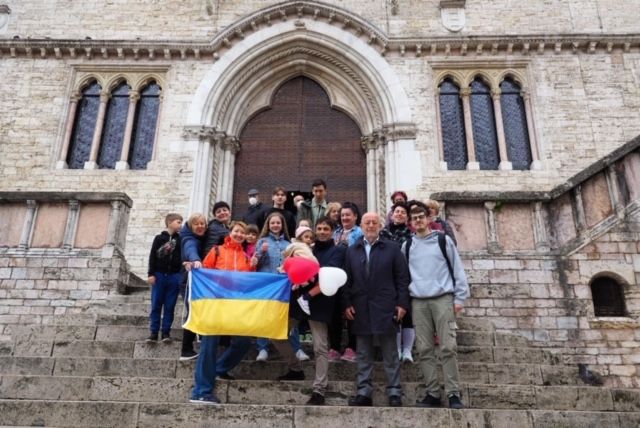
(442, 243)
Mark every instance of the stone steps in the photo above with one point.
(128, 332)
(159, 415)
(472, 373)
(139, 349)
(166, 390)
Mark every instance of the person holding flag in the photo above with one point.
(229, 256)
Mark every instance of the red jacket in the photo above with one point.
(228, 256)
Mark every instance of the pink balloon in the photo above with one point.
(300, 270)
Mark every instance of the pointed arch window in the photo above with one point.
(452, 126)
(114, 126)
(515, 124)
(84, 124)
(485, 135)
(145, 125)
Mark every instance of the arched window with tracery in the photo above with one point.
(483, 121)
(114, 126)
(452, 126)
(84, 124)
(608, 297)
(514, 119)
(145, 124)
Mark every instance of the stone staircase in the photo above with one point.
(94, 369)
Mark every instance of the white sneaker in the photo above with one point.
(407, 357)
(304, 305)
(301, 356)
(263, 355)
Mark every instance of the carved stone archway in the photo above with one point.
(355, 75)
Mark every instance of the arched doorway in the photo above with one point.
(298, 139)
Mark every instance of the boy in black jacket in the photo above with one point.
(165, 264)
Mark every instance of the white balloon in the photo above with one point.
(331, 279)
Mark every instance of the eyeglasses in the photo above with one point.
(418, 217)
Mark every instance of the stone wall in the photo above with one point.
(68, 253)
(531, 263)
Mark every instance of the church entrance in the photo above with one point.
(298, 139)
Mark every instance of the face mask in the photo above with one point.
(253, 200)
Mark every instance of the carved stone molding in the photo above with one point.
(400, 131)
(453, 15)
(373, 141)
(203, 133)
(395, 7)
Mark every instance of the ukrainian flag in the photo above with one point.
(238, 303)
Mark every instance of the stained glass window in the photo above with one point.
(144, 130)
(514, 120)
(84, 126)
(452, 126)
(484, 125)
(114, 123)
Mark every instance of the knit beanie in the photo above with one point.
(301, 230)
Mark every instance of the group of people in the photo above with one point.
(405, 284)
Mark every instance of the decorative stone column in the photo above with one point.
(370, 144)
(493, 246)
(540, 228)
(502, 141)
(27, 227)
(123, 163)
(578, 209)
(205, 139)
(533, 141)
(614, 191)
(97, 134)
(465, 94)
(71, 116)
(230, 146)
(72, 225)
(112, 232)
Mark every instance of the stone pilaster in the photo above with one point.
(72, 225)
(27, 227)
(493, 246)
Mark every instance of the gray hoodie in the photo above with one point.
(429, 272)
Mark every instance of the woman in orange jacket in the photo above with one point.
(230, 255)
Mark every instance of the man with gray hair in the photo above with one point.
(375, 298)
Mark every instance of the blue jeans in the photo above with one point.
(164, 293)
(209, 365)
(294, 340)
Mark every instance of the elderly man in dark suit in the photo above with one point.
(376, 298)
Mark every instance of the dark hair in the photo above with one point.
(319, 182)
(326, 220)
(354, 209)
(252, 228)
(417, 209)
(415, 202)
(279, 189)
(401, 205)
(218, 205)
(171, 217)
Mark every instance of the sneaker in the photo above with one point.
(306, 338)
(304, 305)
(292, 375)
(301, 356)
(316, 399)
(455, 403)
(166, 338)
(333, 355)
(349, 355)
(226, 376)
(407, 357)
(263, 355)
(188, 355)
(153, 338)
(429, 401)
(209, 399)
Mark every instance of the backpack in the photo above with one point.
(442, 243)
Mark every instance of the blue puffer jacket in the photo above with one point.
(272, 259)
(191, 245)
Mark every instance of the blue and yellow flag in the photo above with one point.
(238, 303)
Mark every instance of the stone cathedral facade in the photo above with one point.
(523, 118)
